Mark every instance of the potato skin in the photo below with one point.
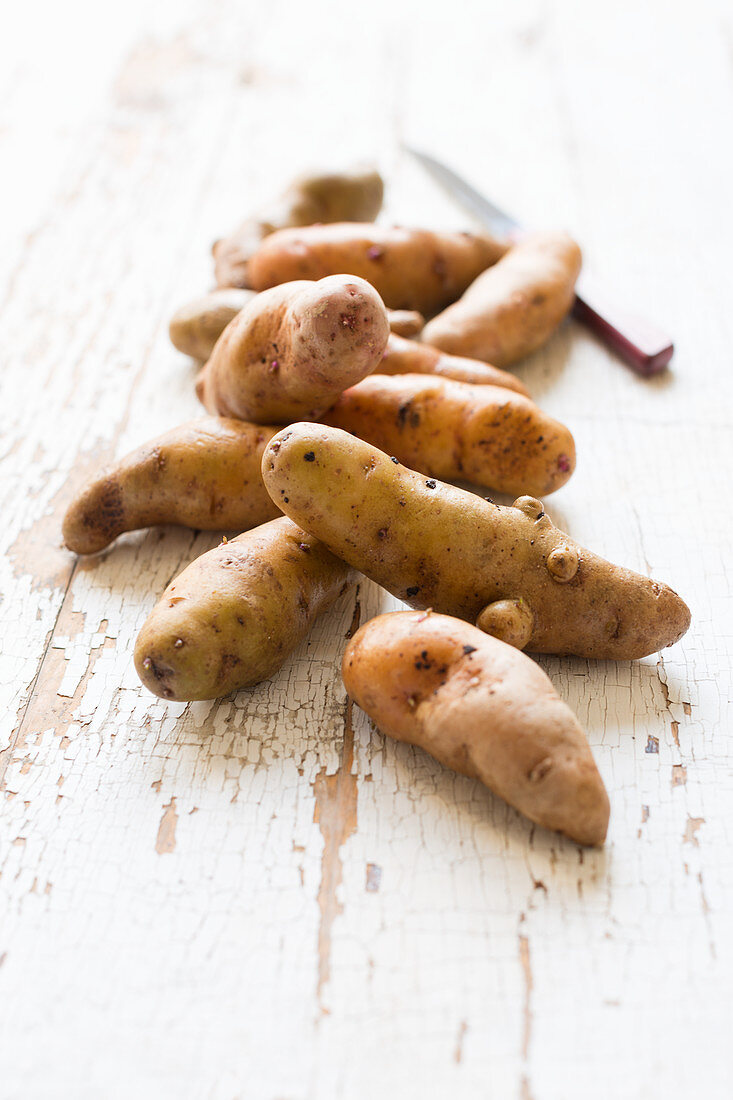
(197, 325)
(514, 307)
(204, 474)
(233, 616)
(405, 322)
(413, 269)
(411, 357)
(354, 195)
(482, 708)
(434, 545)
(483, 434)
(294, 349)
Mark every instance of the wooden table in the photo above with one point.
(262, 898)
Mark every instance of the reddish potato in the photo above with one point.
(512, 309)
(483, 434)
(325, 197)
(482, 708)
(411, 357)
(410, 268)
(294, 349)
(405, 322)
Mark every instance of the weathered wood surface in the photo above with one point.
(262, 898)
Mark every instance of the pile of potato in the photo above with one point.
(337, 418)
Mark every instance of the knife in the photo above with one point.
(641, 345)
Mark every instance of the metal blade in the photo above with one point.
(491, 216)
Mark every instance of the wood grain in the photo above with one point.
(262, 897)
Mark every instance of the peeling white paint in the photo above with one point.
(125, 971)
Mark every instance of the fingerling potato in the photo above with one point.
(354, 195)
(294, 349)
(480, 707)
(410, 357)
(437, 546)
(483, 434)
(405, 322)
(415, 269)
(513, 308)
(197, 325)
(235, 614)
(204, 474)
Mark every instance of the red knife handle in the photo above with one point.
(645, 348)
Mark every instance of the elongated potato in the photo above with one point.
(197, 325)
(410, 357)
(294, 349)
(204, 474)
(437, 546)
(234, 615)
(410, 268)
(482, 708)
(483, 434)
(354, 195)
(515, 306)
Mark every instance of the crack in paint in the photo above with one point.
(525, 1093)
(335, 813)
(690, 834)
(458, 1053)
(526, 964)
(356, 617)
(166, 839)
(524, 959)
(706, 915)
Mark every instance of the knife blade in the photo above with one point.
(640, 344)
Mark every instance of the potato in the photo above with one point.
(405, 322)
(292, 350)
(327, 197)
(197, 325)
(483, 434)
(515, 306)
(482, 708)
(410, 357)
(234, 615)
(204, 474)
(410, 268)
(437, 546)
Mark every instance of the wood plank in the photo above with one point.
(262, 896)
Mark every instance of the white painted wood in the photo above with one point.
(262, 898)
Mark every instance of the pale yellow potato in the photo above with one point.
(234, 615)
(437, 546)
(482, 708)
(513, 308)
(197, 325)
